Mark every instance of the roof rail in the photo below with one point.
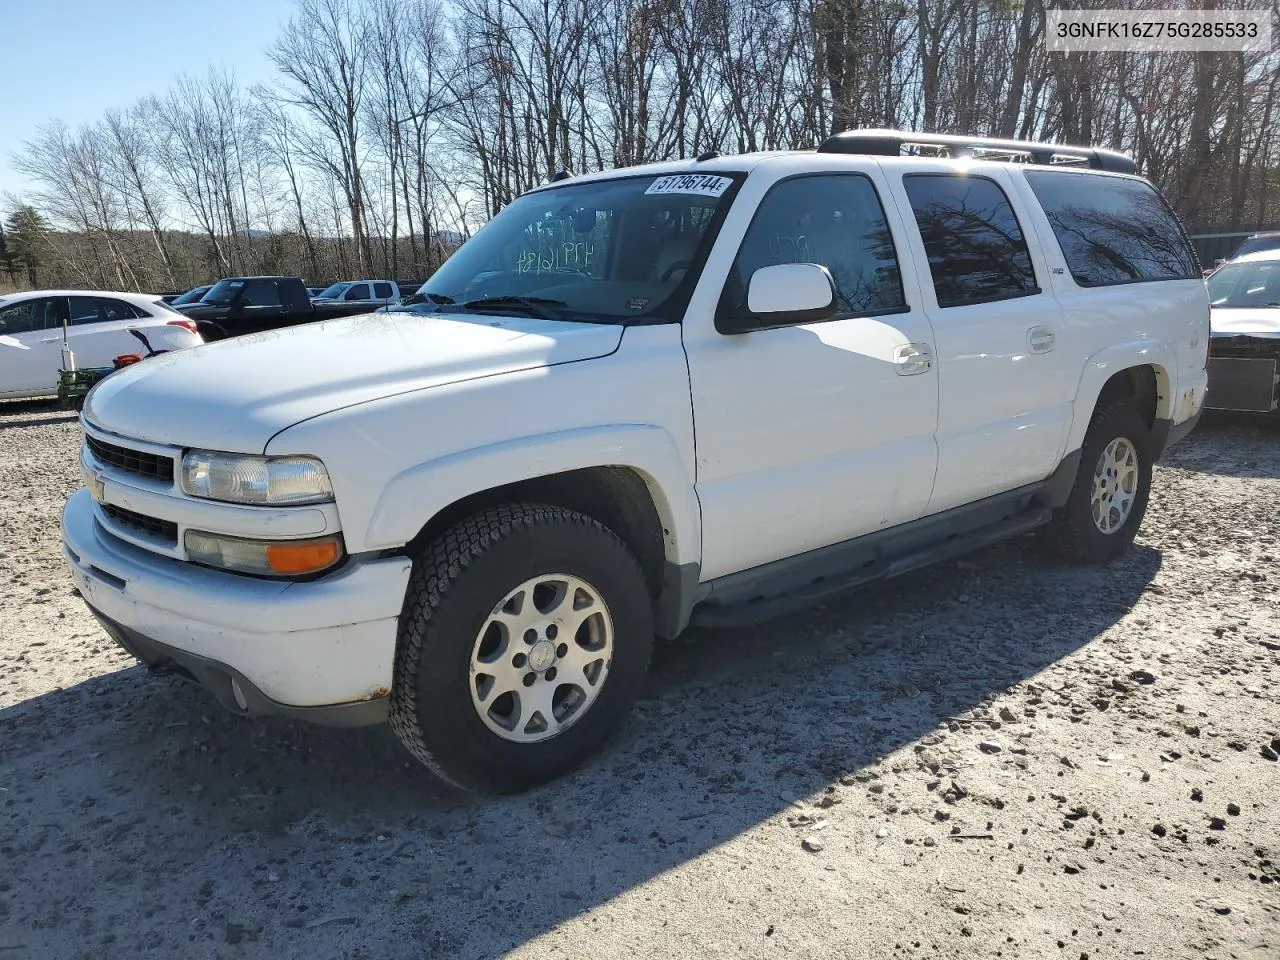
(892, 143)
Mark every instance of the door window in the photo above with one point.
(26, 316)
(261, 293)
(99, 310)
(359, 292)
(382, 291)
(835, 220)
(972, 238)
(1113, 229)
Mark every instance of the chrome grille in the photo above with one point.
(138, 462)
(165, 530)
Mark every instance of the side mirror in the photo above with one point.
(785, 294)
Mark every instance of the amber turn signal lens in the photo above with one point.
(305, 557)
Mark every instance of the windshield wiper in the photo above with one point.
(535, 306)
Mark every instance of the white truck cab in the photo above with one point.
(693, 392)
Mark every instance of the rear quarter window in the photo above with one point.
(1113, 230)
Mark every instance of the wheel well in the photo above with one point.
(1137, 383)
(615, 496)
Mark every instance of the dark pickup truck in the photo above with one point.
(238, 305)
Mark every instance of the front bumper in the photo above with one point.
(291, 647)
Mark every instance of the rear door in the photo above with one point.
(98, 330)
(1005, 375)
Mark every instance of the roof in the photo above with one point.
(28, 294)
(1258, 256)
(732, 163)
(886, 146)
(800, 161)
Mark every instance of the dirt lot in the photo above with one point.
(1002, 757)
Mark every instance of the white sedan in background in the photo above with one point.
(98, 323)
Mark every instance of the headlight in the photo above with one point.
(269, 558)
(258, 480)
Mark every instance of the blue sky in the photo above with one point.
(74, 59)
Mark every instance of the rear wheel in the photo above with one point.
(1109, 498)
(524, 642)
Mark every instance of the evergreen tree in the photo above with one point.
(28, 238)
(7, 262)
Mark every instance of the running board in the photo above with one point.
(763, 608)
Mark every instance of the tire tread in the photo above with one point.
(438, 566)
(1066, 534)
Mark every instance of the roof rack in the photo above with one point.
(895, 143)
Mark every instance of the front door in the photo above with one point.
(30, 346)
(812, 434)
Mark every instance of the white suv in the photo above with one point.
(695, 392)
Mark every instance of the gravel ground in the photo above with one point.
(1001, 757)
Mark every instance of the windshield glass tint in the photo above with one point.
(223, 292)
(608, 251)
(1246, 285)
(333, 290)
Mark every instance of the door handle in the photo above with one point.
(912, 358)
(1040, 339)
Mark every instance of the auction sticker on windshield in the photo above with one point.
(701, 184)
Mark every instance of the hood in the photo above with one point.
(199, 309)
(1244, 322)
(236, 394)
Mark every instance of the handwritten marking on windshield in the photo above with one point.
(567, 256)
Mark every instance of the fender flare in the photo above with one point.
(1105, 364)
(415, 495)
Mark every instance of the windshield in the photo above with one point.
(191, 296)
(1254, 284)
(222, 293)
(608, 251)
(333, 291)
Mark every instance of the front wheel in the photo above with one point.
(524, 642)
(1113, 483)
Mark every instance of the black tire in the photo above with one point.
(1072, 533)
(456, 583)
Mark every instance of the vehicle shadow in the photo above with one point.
(1227, 444)
(23, 408)
(128, 793)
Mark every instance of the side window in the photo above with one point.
(835, 220)
(1113, 229)
(99, 310)
(118, 310)
(85, 310)
(382, 291)
(22, 317)
(972, 238)
(358, 292)
(261, 293)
